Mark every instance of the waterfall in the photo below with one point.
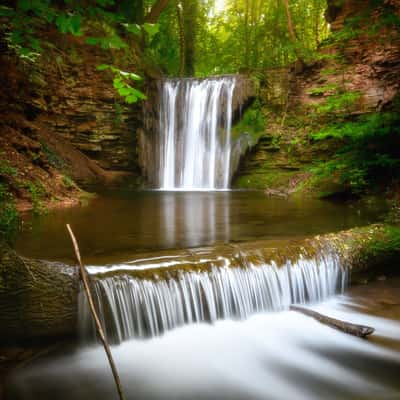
(141, 307)
(194, 133)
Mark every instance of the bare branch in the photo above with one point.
(99, 328)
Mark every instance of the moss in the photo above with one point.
(265, 178)
(86, 197)
(68, 182)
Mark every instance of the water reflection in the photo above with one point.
(117, 225)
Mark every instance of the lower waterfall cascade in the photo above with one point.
(132, 307)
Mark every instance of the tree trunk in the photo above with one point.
(38, 299)
(155, 11)
(181, 40)
(189, 14)
(292, 32)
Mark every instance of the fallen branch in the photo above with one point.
(346, 327)
(93, 311)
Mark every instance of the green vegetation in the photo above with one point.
(121, 83)
(37, 193)
(23, 22)
(253, 123)
(9, 217)
(370, 153)
(53, 158)
(68, 182)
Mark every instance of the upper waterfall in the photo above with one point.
(195, 128)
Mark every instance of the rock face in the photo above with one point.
(80, 104)
(63, 93)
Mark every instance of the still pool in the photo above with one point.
(116, 225)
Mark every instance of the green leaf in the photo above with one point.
(138, 94)
(117, 83)
(92, 41)
(34, 44)
(131, 99)
(75, 25)
(105, 3)
(151, 29)
(131, 75)
(133, 28)
(69, 24)
(102, 67)
(6, 11)
(124, 91)
(24, 5)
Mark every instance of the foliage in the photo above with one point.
(321, 90)
(68, 182)
(370, 153)
(37, 193)
(252, 122)
(338, 104)
(53, 158)
(121, 83)
(245, 35)
(388, 243)
(6, 168)
(28, 17)
(9, 217)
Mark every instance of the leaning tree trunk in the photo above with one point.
(39, 299)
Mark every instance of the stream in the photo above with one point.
(189, 321)
(275, 355)
(222, 334)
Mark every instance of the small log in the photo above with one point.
(344, 326)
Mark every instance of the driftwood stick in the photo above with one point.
(93, 311)
(346, 327)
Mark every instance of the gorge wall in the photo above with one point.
(65, 122)
(361, 60)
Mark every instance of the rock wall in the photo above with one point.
(79, 103)
(65, 94)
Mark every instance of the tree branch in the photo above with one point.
(93, 311)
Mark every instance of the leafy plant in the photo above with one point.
(6, 168)
(339, 103)
(121, 83)
(106, 43)
(53, 158)
(321, 90)
(9, 216)
(68, 182)
(37, 193)
(370, 153)
(69, 23)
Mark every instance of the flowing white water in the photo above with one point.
(195, 128)
(133, 307)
